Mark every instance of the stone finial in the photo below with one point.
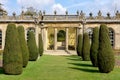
(108, 14)
(14, 14)
(44, 12)
(91, 14)
(40, 12)
(66, 12)
(99, 13)
(82, 15)
(117, 13)
(77, 12)
(55, 12)
(22, 12)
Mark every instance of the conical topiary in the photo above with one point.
(106, 60)
(23, 45)
(33, 50)
(40, 45)
(12, 55)
(79, 45)
(94, 47)
(86, 47)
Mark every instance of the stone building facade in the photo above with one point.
(42, 22)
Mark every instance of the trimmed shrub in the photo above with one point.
(106, 60)
(86, 47)
(12, 55)
(79, 45)
(94, 47)
(40, 45)
(33, 50)
(23, 45)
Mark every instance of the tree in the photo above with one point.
(23, 45)
(94, 47)
(40, 45)
(106, 60)
(86, 47)
(33, 50)
(79, 45)
(12, 55)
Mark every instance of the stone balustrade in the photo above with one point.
(66, 16)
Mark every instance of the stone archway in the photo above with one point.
(61, 35)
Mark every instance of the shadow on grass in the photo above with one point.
(81, 64)
(1, 70)
(74, 58)
(84, 66)
(85, 70)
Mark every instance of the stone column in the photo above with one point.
(44, 37)
(55, 39)
(66, 41)
(37, 34)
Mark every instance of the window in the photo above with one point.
(90, 32)
(30, 29)
(111, 34)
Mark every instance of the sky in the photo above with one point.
(61, 6)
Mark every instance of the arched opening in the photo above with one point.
(0, 39)
(61, 36)
(61, 39)
(112, 36)
(90, 33)
(30, 29)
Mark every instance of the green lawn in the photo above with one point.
(61, 68)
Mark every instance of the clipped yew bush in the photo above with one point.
(94, 47)
(40, 45)
(33, 50)
(79, 45)
(23, 45)
(106, 60)
(12, 55)
(86, 47)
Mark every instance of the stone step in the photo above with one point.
(59, 52)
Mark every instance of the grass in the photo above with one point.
(61, 68)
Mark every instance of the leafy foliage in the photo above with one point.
(94, 47)
(86, 47)
(79, 45)
(23, 45)
(33, 50)
(106, 60)
(12, 55)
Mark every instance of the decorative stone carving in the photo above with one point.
(117, 15)
(77, 12)
(108, 16)
(55, 12)
(66, 12)
(44, 12)
(100, 15)
(91, 16)
(82, 15)
(40, 13)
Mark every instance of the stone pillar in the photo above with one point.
(44, 37)
(55, 39)
(37, 34)
(66, 41)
